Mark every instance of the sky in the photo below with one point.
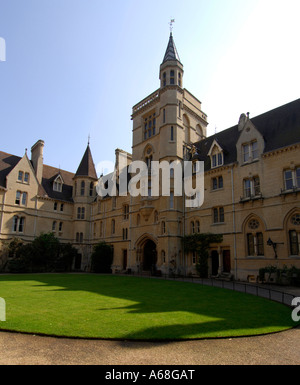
(74, 69)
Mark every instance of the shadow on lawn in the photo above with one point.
(227, 311)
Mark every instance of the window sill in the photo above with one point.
(251, 198)
(250, 162)
(218, 224)
(294, 190)
(217, 189)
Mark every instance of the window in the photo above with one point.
(250, 151)
(163, 227)
(62, 207)
(55, 206)
(292, 179)
(60, 227)
(294, 242)
(54, 226)
(172, 200)
(197, 227)
(194, 258)
(218, 215)
(125, 234)
(179, 79)
(20, 176)
(150, 126)
(164, 79)
(26, 177)
(15, 223)
(18, 197)
(57, 185)
(164, 115)
(192, 227)
(80, 213)
(251, 187)
(125, 212)
(163, 256)
(172, 133)
(217, 183)
(79, 237)
(82, 188)
(21, 224)
(255, 244)
(113, 226)
(217, 159)
(24, 198)
(172, 77)
(91, 189)
(21, 198)
(18, 224)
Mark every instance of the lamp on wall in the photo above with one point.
(274, 245)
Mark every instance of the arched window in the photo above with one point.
(255, 238)
(163, 227)
(192, 227)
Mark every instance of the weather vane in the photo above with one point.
(171, 24)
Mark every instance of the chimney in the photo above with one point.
(37, 159)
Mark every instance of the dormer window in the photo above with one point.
(250, 151)
(216, 155)
(58, 184)
(217, 160)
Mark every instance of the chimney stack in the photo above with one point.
(37, 159)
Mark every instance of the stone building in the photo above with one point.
(251, 197)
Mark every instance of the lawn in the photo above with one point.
(116, 307)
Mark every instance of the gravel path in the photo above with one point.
(274, 349)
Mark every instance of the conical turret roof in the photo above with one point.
(87, 167)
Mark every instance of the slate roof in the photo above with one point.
(7, 163)
(46, 188)
(171, 52)
(279, 127)
(87, 167)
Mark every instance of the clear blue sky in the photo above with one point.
(75, 68)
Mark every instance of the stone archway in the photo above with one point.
(149, 256)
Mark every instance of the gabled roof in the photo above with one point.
(279, 127)
(171, 52)
(87, 167)
(7, 163)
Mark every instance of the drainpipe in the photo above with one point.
(2, 210)
(234, 224)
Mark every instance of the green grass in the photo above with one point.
(116, 307)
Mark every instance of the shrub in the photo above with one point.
(102, 258)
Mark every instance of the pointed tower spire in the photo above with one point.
(171, 52)
(171, 69)
(87, 167)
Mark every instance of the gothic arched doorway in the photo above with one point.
(149, 256)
